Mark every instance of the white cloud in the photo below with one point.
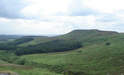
(45, 7)
(36, 27)
(55, 25)
(62, 16)
(105, 6)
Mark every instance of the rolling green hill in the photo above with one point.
(78, 35)
(100, 53)
(70, 41)
(96, 59)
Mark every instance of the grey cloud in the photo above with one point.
(11, 8)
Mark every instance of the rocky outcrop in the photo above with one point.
(8, 73)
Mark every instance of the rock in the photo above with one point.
(5, 74)
(8, 73)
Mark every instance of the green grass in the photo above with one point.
(27, 71)
(94, 58)
(7, 57)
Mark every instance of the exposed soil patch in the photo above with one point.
(17, 66)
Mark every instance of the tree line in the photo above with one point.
(51, 46)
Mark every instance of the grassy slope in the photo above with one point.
(95, 58)
(36, 41)
(26, 71)
(20, 69)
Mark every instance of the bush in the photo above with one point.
(108, 43)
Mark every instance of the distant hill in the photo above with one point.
(79, 35)
(10, 36)
(88, 35)
(6, 38)
(66, 42)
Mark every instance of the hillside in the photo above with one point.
(73, 40)
(80, 35)
(96, 59)
(100, 53)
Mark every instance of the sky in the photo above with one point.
(47, 17)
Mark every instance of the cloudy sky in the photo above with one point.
(43, 17)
